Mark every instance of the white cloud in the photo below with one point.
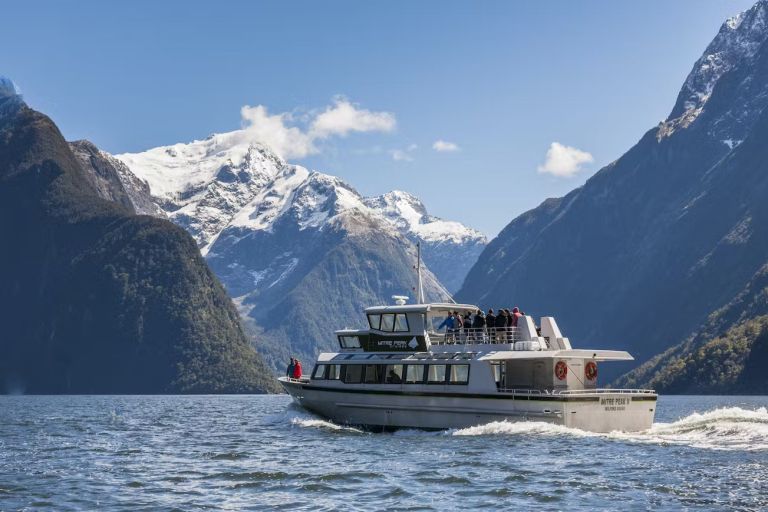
(400, 155)
(281, 133)
(344, 117)
(564, 161)
(287, 141)
(404, 155)
(442, 145)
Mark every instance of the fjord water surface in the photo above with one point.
(261, 452)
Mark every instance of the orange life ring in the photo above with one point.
(561, 370)
(590, 370)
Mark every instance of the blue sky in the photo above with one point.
(501, 80)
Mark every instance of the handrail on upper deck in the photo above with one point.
(479, 335)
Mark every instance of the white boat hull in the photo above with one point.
(422, 409)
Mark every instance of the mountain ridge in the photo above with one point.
(640, 255)
(97, 299)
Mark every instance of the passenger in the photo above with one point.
(297, 369)
(289, 370)
(501, 326)
(457, 324)
(448, 324)
(467, 321)
(478, 325)
(394, 378)
(490, 322)
(515, 316)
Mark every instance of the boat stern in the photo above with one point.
(609, 410)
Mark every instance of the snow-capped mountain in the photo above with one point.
(728, 62)
(449, 248)
(294, 246)
(226, 181)
(204, 184)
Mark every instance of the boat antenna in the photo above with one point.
(420, 287)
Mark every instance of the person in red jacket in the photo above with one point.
(297, 369)
(515, 316)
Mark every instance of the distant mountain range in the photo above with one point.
(301, 252)
(96, 298)
(664, 251)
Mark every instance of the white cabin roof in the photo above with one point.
(421, 308)
(597, 355)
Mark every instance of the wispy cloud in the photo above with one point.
(400, 155)
(564, 161)
(293, 138)
(403, 155)
(445, 146)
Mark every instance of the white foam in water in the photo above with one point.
(311, 422)
(520, 427)
(727, 428)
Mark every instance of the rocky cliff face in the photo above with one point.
(643, 253)
(96, 299)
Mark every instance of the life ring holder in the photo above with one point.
(561, 370)
(590, 370)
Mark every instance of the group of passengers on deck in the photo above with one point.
(490, 327)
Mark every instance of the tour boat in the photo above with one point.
(405, 372)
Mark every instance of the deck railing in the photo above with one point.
(301, 380)
(475, 336)
(572, 392)
(604, 391)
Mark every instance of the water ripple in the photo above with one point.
(257, 452)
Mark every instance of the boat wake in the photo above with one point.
(727, 428)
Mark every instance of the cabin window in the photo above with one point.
(349, 341)
(387, 322)
(394, 374)
(436, 374)
(414, 374)
(458, 374)
(372, 374)
(401, 323)
(319, 372)
(354, 374)
(374, 321)
(334, 372)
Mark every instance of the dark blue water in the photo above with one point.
(260, 452)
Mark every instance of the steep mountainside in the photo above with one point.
(96, 299)
(643, 253)
(303, 252)
(727, 356)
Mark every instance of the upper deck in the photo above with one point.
(423, 328)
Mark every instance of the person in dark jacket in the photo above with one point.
(478, 325)
(468, 326)
(490, 322)
(289, 370)
(501, 326)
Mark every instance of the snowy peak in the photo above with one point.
(179, 171)
(734, 48)
(203, 185)
(409, 214)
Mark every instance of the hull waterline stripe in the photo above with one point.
(454, 410)
(500, 396)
